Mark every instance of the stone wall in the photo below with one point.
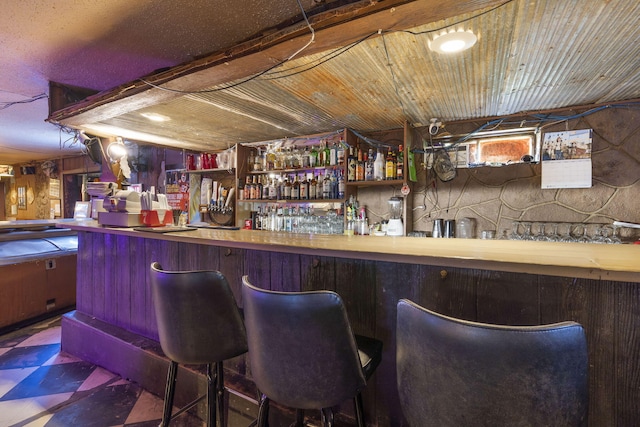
(497, 196)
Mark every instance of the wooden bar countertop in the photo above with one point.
(585, 260)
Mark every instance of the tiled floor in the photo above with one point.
(41, 386)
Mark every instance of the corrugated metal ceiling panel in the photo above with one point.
(531, 55)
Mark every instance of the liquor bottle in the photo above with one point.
(390, 166)
(271, 158)
(360, 166)
(265, 188)
(319, 187)
(378, 167)
(368, 166)
(287, 188)
(341, 153)
(295, 188)
(352, 164)
(326, 185)
(333, 181)
(333, 155)
(327, 154)
(257, 161)
(313, 187)
(313, 157)
(247, 189)
(400, 164)
(304, 187)
(341, 185)
(273, 189)
(257, 185)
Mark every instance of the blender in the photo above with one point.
(395, 227)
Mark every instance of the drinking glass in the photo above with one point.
(584, 238)
(526, 234)
(567, 237)
(554, 236)
(615, 238)
(514, 231)
(598, 235)
(541, 235)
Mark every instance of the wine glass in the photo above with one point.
(567, 237)
(526, 234)
(541, 235)
(514, 231)
(615, 237)
(599, 235)
(554, 236)
(584, 238)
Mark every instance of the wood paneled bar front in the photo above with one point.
(496, 281)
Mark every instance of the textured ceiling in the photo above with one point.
(101, 44)
(530, 56)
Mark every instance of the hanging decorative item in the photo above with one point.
(50, 169)
(30, 196)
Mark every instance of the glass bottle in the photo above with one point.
(313, 157)
(327, 154)
(341, 185)
(340, 152)
(287, 188)
(304, 187)
(333, 155)
(360, 166)
(265, 188)
(390, 166)
(326, 186)
(352, 164)
(400, 163)
(313, 187)
(295, 188)
(378, 167)
(368, 166)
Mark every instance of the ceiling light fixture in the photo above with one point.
(453, 41)
(116, 150)
(155, 117)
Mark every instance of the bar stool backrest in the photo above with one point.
(302, 350)
(198, 319)
(452, 372)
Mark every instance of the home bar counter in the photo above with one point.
(494, 281)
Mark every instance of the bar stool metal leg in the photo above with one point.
(357, 401)
(327, 417)
(220, 395)
(263, 411)
(169, 393)
(211, 395)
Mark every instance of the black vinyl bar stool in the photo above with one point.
(455, 373)
(303, 353)
(199, 323)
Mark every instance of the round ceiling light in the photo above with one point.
(453, 41)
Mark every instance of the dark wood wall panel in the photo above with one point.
(113, 285)
(627, 353)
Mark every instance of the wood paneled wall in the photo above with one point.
(113, 286)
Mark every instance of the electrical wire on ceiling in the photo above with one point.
(273, 75)
(8, 104)
(248, 79)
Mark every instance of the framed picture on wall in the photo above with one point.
(22, 198)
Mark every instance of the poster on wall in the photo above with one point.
(566, 159)
(178, 190)
(54, 188)
(22, 197)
